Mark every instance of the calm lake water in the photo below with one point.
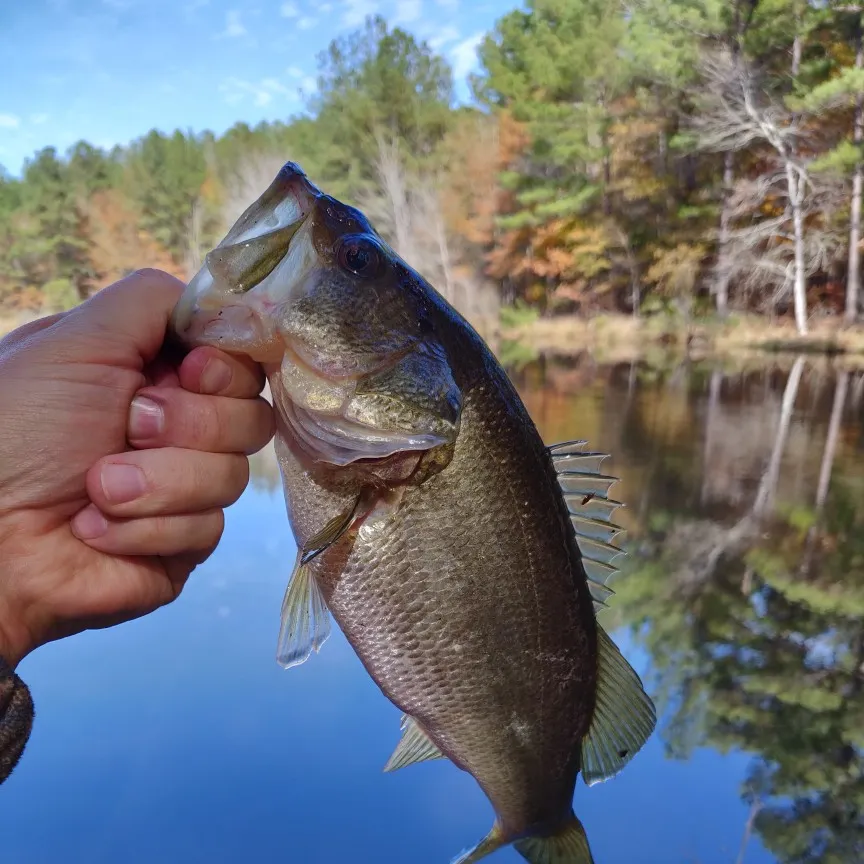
(177, 738)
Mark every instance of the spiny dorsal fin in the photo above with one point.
(624, 715)
(415, 746)
(586, 493)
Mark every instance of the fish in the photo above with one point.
(463, 559)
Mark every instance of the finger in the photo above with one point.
(132, 314)
(160, 373)
(215, 373)
(173, 417)
(179, 568)
(154, 535)
(166, 481)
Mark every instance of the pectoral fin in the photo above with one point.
(330, 533)
(305, 618)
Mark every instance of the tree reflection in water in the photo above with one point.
(745, 579)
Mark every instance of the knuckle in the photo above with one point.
(213, 524)
(238, 474)
(207, 426)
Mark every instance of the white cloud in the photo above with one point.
(308, 84)
(295, 71)
(407, 11)
(448, 4)
(307, 22)
(464, 55)
(324, 8)
(9, 121)
(289, 10)
(357, 10)
(233, 25)
(262, 93)
(38, 119)
(443, 36)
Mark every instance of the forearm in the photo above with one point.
(16, 718)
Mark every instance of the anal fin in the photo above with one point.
(414, 746)
(624, 715)
(567, 846)
(489, 844)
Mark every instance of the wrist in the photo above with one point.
(13, 646)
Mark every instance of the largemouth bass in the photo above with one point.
(461, 557)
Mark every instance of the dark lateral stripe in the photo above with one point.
(16, 719)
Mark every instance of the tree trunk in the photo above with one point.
(721, 272)
(443, 249)
(853, 279)
(711, 419)
(799, 286)
(392, 179)
(194, 240)
(768, 484)
(831, 440)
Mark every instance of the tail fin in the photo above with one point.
(569, 845)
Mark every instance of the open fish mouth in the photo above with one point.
(229, 303)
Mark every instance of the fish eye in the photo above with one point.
(360, 255)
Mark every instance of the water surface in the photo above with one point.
(177, 738)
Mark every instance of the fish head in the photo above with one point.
(303, 284)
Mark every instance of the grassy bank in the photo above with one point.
(622, 338)
(611, 338)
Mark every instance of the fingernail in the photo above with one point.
(122, 483)
(146, 418)
(89, 523)
(215, 376)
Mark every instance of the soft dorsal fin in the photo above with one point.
(586, 492)
(624, 715)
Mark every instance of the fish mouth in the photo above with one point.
(230, 302)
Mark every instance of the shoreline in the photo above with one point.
(615, 338)
(622, 338)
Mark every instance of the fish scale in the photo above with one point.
(462, 558)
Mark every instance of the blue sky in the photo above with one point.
(110, 70)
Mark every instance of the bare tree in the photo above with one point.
(246, 183)
(762, 249)
(734, 114)
(195, 239)
(393, 184)
(853, 281)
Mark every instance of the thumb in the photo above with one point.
(132, 314)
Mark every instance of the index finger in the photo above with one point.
(212, 372)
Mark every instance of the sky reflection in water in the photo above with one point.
(178, 738)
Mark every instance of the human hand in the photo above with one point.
(107, 505)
